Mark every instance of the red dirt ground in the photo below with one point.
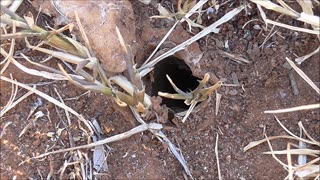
(240, 119)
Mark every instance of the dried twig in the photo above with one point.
(218, 100)
(316, 32)
(138, 129)
(4, 128)
(301, 170)
(311, 19)
(161, 136)
(45, 96)
(10, 55)
(298, 108)
(303, 75)
(14, 91)
(199, 94)
(290, 169)
(272, 153)
(301, 59)
(217, 157)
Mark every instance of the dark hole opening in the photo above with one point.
(181, 75)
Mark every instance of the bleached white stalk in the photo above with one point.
(303, 75)
(138, 129)
(50, 99)
(149, 66)
(298, 108)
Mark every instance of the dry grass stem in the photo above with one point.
(218, 100)
(160, 43)
(187, 15)
(272, 6)
(296, 151)
(301, 59)
(199, 94)
(293, 109)
(191, 107)
(262, 14)
(290, 169)
(305, 131)
(303, 169)
(83, 33)
(127, 86)
(316, 32)
(270, 34)
(307, 18)
(283, 4)
(162, 137)
(34, 72)
(20, 35)
(11, 22)
(8, 57)
(217, 157)
(14, 91)
(256, 143)
(12, 104)
(68, 118)
(194, 9)
(62, 56)
(9, 12)
(37, 115)
(149, 66)
(48, 98)
(272, 153)
(303, 75)
(4, 128)
(293, 135)
(114, 138)
(308, 170)
(89, 82)
(306, 6)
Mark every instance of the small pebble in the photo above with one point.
(283, 95)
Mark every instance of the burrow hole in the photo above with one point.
(181, 75)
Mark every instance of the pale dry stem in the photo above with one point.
(114, 138)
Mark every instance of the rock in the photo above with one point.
(192, 54)
(99, 19)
